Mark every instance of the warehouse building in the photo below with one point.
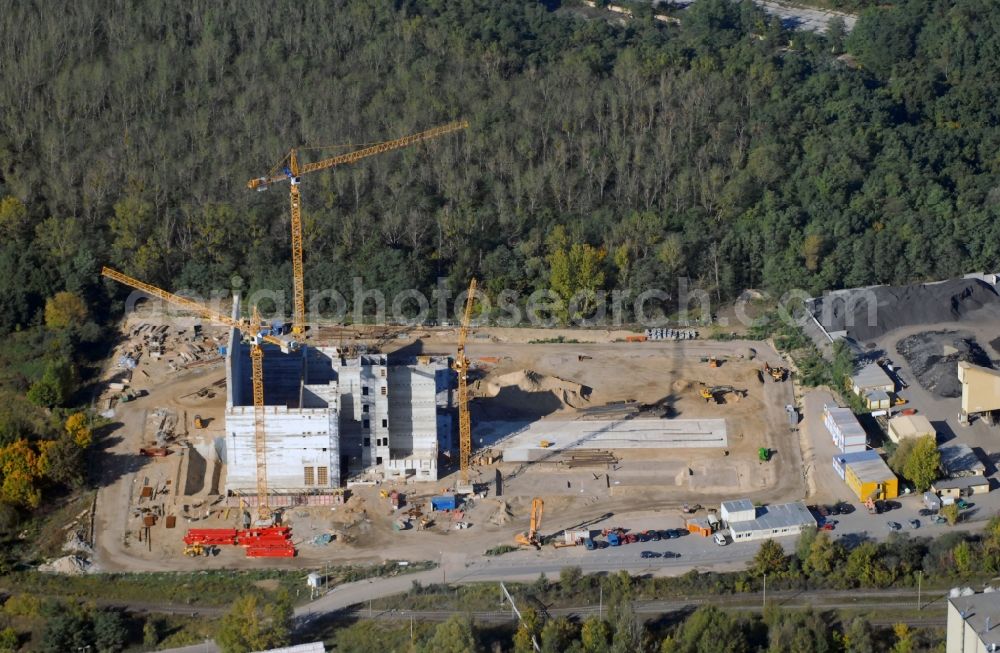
(973, 621)
(909, 426)
(845, 429)
(872, 378)
(747, 523)
(959, 460)
(961, 487)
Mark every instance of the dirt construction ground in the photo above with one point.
(568, 382)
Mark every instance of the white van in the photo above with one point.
(721, 539)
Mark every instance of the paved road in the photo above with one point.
(793, 16)
(813, 20)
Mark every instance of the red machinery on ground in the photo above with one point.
(268, 542)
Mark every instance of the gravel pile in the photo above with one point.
(933, 356)
(902, 306)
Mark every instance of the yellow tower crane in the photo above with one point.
(462, 367)
(250, 330)
(289, 169)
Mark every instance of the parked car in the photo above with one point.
(834, 509)
(650, 554)
(671, 554)
(671, 533)
(927, 512)
(845, 508)
(940, 520)
(915, 523)
(893, 526)
(653, 535)
(962, 504)
(822, 511)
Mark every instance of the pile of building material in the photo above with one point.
(934, 355)
(268, 542)
(671, 334)
(588, 458)
(867, 313)
(528, 392)
(71, 565)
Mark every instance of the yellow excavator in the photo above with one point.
(718, 392)
(777, 373)
(531, 537)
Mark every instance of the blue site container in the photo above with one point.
(444, 502)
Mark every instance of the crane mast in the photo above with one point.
(250, 330)
(290, 170)
(462, 366)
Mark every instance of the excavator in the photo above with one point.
(718, 393)
(531, 537)
(777, 373)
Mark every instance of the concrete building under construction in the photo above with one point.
(330, 417)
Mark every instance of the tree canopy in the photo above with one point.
(725, 150)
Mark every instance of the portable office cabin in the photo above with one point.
(738, 510)
(845, 429)
(841, 460)
(871, 479)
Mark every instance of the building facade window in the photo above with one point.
(307, 476)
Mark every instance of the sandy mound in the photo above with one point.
(71, 565)
(528, 392)
(681, 385)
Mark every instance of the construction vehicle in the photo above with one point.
(290, 170)
(899, 401)
(764, 454)
(713, 361)
(776, 373)
(251, 330)
(719, 392)
(531, 538)
(199, 423)
(545, 444)
(194, 550)
(462, 369)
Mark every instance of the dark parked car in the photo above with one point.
(834, 509)
(915, 523)
(671, 554)
(893, 526)
(671, 533)
(822, 511)
(926, 512)
(650, 554)
(845, 508)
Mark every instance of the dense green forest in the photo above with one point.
(725, 150)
